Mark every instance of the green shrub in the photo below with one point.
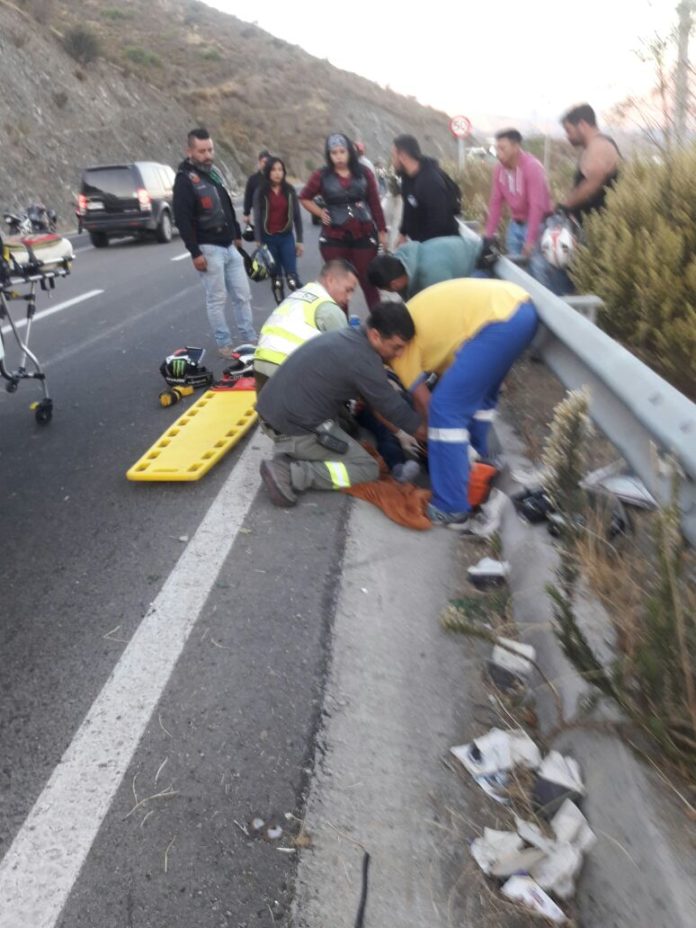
(116, 13)
(81, 44)
(142, 56)
(211, 54)
(640, 258)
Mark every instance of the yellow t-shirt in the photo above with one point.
(448, 314)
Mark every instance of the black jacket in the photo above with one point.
(192, 216)
(252, 184)
(427, 204)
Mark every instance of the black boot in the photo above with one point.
(293, 282)
(278, 289)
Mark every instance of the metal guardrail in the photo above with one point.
(651, 423)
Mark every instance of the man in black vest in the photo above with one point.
(206, 219)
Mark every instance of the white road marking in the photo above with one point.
(79, 251)
(45, 859)
(181, 257)
(59, 307)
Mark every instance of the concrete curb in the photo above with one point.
(642, 871)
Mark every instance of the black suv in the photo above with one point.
(124, 199)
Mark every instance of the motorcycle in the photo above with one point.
(41, 218)
(36, 219)
(17, 224)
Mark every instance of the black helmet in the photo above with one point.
(248, 234)
(263, 264)
(183, 367)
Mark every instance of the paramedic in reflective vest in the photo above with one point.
(469, 332)
(300, 406)
(208, 226)
(320, 306)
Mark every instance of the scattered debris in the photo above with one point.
(511, 663)
(490, 758)
(557, 779)
(488, 573)
(533, 505)
(270, 829)
(613, 481)
(494, 846)
(524, 890)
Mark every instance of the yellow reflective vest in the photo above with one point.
(291, 324)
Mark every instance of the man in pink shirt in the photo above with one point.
(518, 180)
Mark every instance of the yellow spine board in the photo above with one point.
(199, 437)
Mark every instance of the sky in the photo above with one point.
(526, 59)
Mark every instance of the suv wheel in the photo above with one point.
(164, 228)
(99, 239)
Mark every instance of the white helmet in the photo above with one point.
(559, 240)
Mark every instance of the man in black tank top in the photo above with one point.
(597, 171)
(598, 166)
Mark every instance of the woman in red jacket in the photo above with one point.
(351, 215)
(276, 211)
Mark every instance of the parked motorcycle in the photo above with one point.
(36, 219)
(41, 218)
(17, 223)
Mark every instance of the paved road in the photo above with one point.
(85, 553)
(176, 660)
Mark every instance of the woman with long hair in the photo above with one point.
(351, 215)
(276, 211)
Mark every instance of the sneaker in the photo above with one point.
(440, 517)
(406, 472)
(227, 352)
(277, 480)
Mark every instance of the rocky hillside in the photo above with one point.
(152, 69)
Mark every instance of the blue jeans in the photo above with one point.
(463, 404)
(515, 237)
(226, 274)
(555, 279)
(282, 247)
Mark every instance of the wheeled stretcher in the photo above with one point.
(25, 265)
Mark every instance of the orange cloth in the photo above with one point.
(403, 503)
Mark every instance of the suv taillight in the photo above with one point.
(144, 199)
(82, 204)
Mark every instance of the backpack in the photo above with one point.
(454, 194)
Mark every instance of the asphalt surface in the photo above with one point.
(85, 553)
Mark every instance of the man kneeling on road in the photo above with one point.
(302, 404)
(469, 332)
(320, 306)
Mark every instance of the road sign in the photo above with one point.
(460, 127)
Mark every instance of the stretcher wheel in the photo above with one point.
(43, 411)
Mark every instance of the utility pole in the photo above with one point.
(685, 11)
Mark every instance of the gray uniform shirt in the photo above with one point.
(315, 382)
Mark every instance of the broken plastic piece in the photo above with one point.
(493, 846)
(498, 751)
(626, 487)
(534, 506)
(558, 779)
(517, 663)
(523, 889)
(488, 573)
